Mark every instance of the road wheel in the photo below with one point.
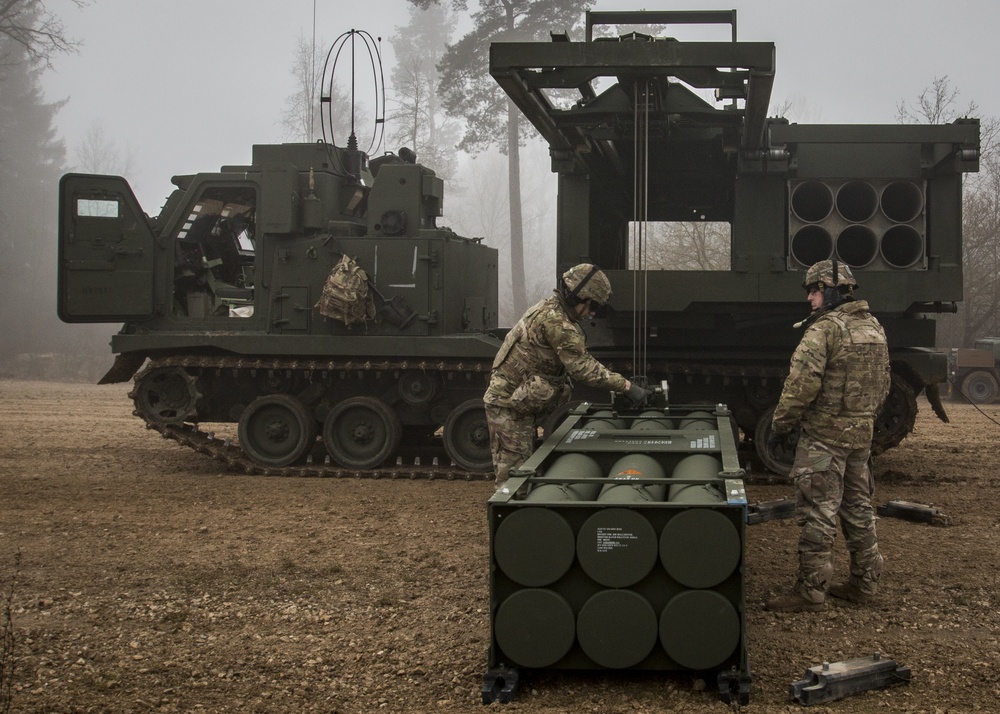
(778, 460)
(167, 395)
(418, 388)
(467, 437)
(897, 417)
(362, 432)
(980, 387)
(276, 430)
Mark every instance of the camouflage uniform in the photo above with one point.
(838, 380)
(532, 376)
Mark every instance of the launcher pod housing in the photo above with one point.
(619, 545)
(663, 149)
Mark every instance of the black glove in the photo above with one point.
(777, 439)
(638, 395)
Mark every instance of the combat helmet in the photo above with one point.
(586, 282)
(822, 273)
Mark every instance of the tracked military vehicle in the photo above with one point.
(636, 140)
(310, 293)
(220, 291)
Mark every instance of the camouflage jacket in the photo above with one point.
(838, 379)
(546, 344)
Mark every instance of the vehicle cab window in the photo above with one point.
(214, 248)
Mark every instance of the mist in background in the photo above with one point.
(149, 90)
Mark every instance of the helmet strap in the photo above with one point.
(572, 296)
(832, 295)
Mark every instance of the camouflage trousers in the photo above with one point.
(512, 439)
(834, 481)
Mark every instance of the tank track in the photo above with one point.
(426, 467)
(228, 452)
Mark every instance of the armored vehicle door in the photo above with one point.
(105, 251)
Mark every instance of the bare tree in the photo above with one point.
(302, 117)
(38, 31)
(795, 108)
(935, 105)
(688, 246)
(98, 154)
(978, 314)
(416, 118)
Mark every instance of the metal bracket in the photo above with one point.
(907, 510)
(769, 511)
(832, 681)
(500, 684)
(734, 684)
(736, 493)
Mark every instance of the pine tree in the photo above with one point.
(32, 158)
(468, 91)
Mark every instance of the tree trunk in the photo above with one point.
(516, 221)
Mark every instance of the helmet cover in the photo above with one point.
(821, 273)
(588, 282)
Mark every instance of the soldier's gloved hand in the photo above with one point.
(638, 395)
(777, 439)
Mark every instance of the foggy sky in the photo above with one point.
(190, 85)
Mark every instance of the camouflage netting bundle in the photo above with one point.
(345, 294)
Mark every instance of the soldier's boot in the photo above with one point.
(866, 569)
(847, 591)
(809, 593)
(794, 602)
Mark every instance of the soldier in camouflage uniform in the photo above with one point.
(540, 356)
(838, 380)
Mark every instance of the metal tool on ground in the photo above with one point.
(831, 681)
(909, 511)
(762, 511)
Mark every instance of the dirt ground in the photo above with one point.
(152, 580)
